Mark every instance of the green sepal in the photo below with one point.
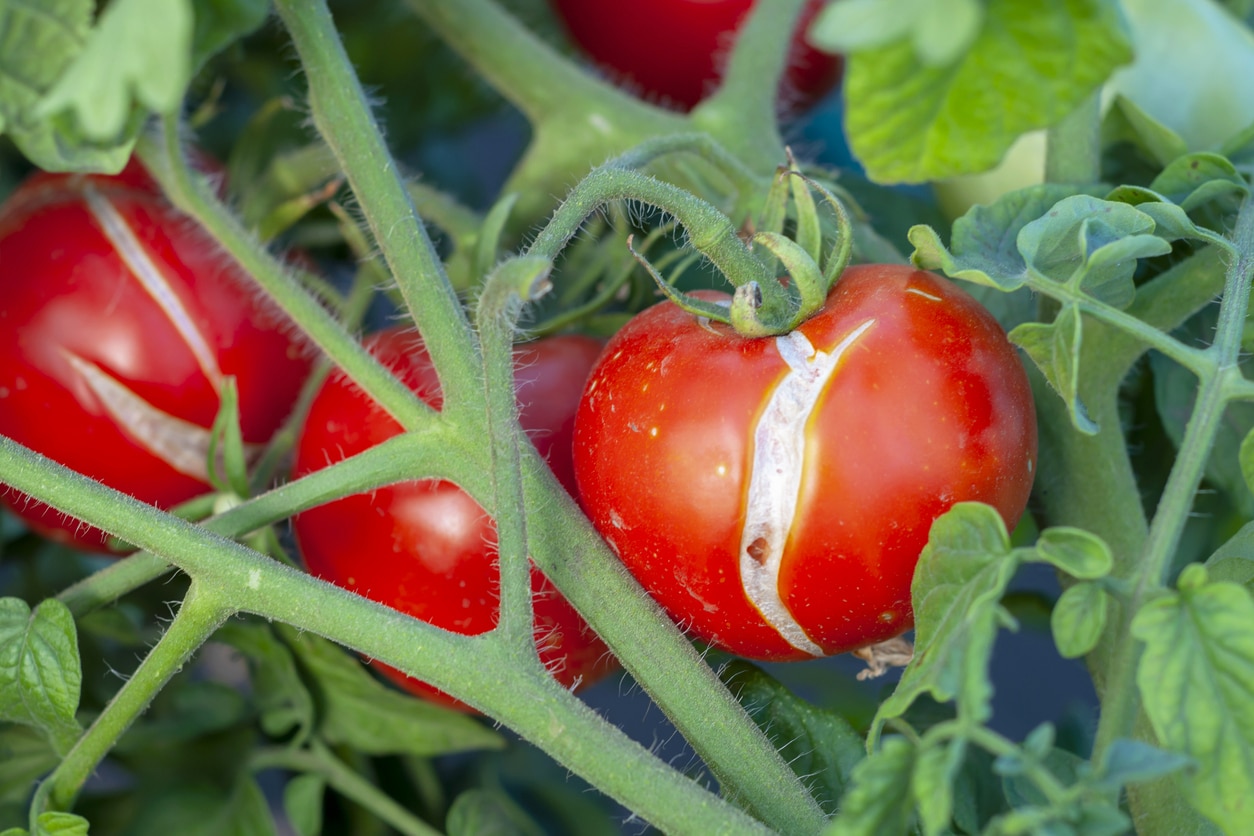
(809, 232)
(697, 307)
(227, 463)
(806, 281)
(487, 248)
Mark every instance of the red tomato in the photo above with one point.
(675, 50)
(119, 320)
(425, 547)
(774, 494)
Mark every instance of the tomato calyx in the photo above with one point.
(774, 307)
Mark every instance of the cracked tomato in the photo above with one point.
(425, 547)
(774, 494)
(119, 323)
(674, 50)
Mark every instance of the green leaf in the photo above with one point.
(1028, 66)
(1092, 245)
(25, 756)
(1234, 560)
(138, 54)
(481, 812)
(1132, 761)
(281, 696)
(38, 42)
(984, 246)
(1195, 677)
(1245, 457)
(60, 824)
(1075, 551)
(203, 809)
(219, 23)
(40, 671)
(1196, 179)
(936, 767)
(1126, 121)
(820, 745)
(961, 576)
(359, 711)
(186, 710)
(302, 802)
(880, 802)
(1055, 348)
(1079, 618)
(940, 31)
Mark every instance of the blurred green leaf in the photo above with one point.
(1234, 560)
(40, 671)
(1193, 180)
(940, 31)
(936, 767)
(60, 824)
(1195, 678)
(1131, 761)
(186, 710)
(820, 745)
(219, 23)
(1055, 348)
(207, 810)
(357, 710)
(1027, 67)
(481, 812)
(1079, 618)
(302, 802)
(879, 802)
(281, 696)
(25, 756)
(961, 576)
(139, 53)
(1126, 121)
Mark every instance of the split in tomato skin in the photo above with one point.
(904, 398)
(674, 50)
(425, 547)
(120, 320)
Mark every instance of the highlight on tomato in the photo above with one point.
(425, 547)
(774, 494)
(120, 325)
(674, 51)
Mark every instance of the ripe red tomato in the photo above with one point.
(118, 323)
(674, 50)
(774, 494)
(425, 547)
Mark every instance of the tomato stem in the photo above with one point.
(201, 613)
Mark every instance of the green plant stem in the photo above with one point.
(1121, 704)
(433, 456)
(201, 613)
(342, 116)
(1073, 147)
(995, 744)
(496, 318)
(479, 669)
(742, 111)
(321, 761)
(192, 195)
(709, 231)
(665, 664)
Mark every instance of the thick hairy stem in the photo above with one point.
(342, 116)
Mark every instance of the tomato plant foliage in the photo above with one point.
(337, 416)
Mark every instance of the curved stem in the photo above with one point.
(748, 96)
(528, 72)
(192, 195)
(202, 612)
(342, 116)
(1073, 149)
(321, 761)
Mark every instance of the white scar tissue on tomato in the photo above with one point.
(146, 271)
(779, 453)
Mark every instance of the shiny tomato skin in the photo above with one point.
(425, 547)
(673, 51)
(80, 335)
(926, 406)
